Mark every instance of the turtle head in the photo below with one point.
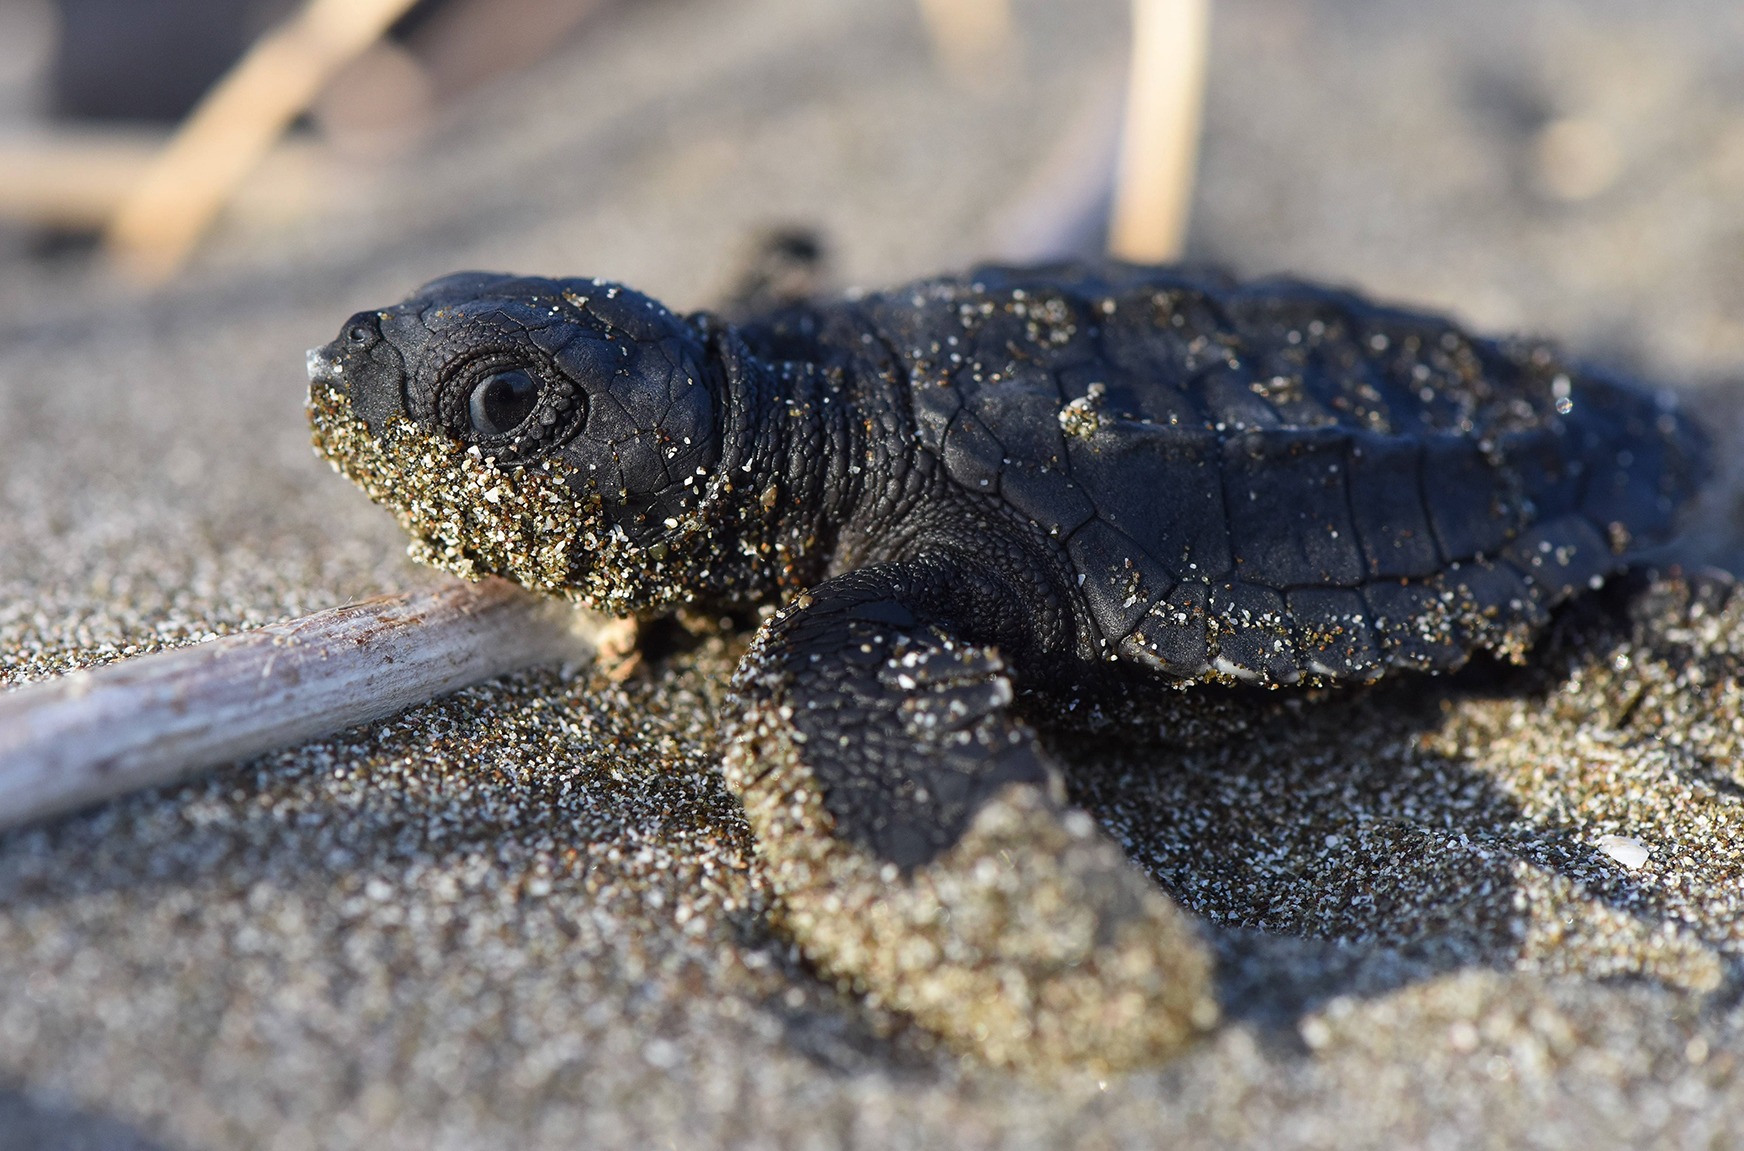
(558, 432)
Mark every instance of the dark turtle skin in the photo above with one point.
(1058, 494)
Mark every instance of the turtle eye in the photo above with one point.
(502, 401)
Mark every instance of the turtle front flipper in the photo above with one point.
(918, 838)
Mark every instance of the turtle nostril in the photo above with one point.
(361, 330)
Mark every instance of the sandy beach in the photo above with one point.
(1498, 909)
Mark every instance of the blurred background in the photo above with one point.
(1574, 168)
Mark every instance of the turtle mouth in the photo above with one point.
(465, 513)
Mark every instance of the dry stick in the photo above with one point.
(72, 180)
(93, 735)
(1160, 143)
(234, 126)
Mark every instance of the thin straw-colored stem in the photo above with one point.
(1160, 142)
(95, 734)
(72, 180)
(234, 126)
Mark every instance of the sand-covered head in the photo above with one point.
(562, 433)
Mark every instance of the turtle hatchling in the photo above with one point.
(1051, 498)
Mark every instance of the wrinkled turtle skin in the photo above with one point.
(1062, 494)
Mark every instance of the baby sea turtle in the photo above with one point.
(1062, 494)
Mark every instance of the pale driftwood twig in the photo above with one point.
(72, 180)
(235, 125)
(92, 735)
(76, 180)
(1160, 142)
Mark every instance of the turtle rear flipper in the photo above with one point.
(920, 843)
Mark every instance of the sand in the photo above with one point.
(1495, 909)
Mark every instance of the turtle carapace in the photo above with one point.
(1063, 494)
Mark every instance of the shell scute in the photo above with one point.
(1277, 442)
(1121, 580)
(1333, 634)
(1289, 514)
(1172, 637)
(1255, 639)
(1386, 502)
